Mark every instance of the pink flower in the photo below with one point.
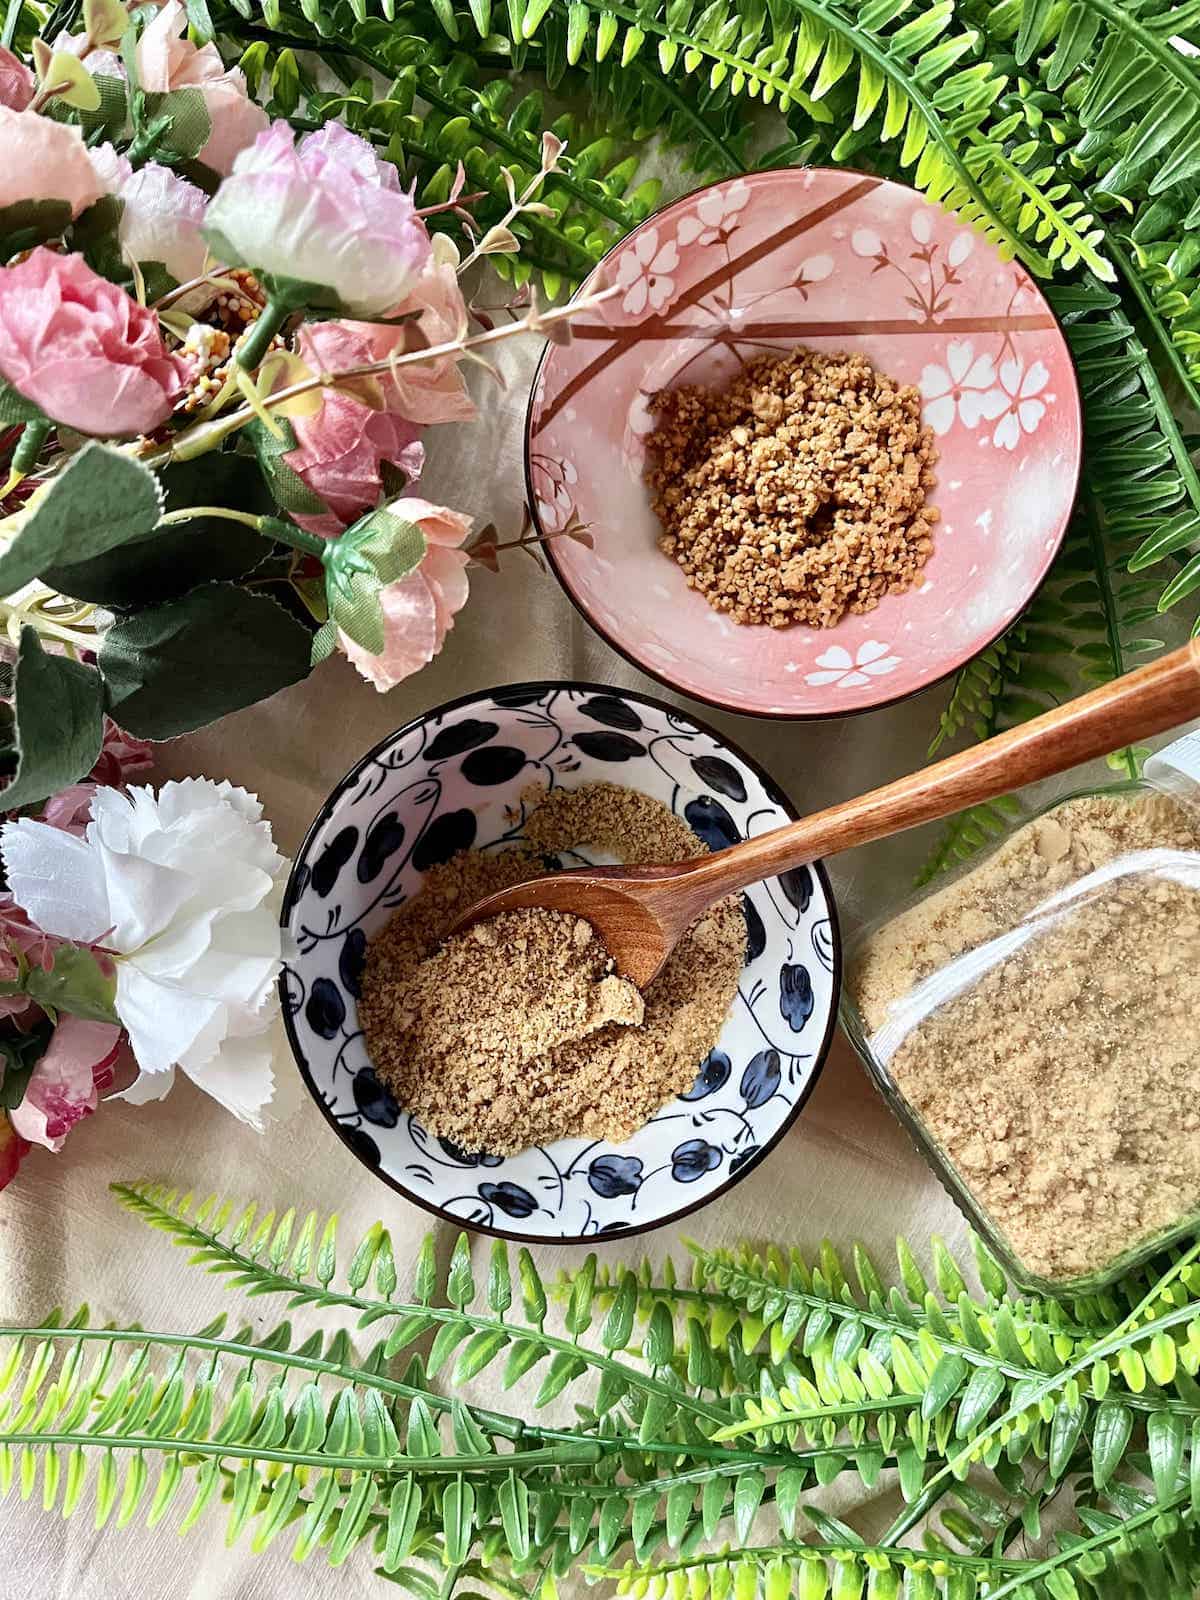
(168, 60)
(339, 450)
(326, 210)
(19, 938)
(418, 611)
(45, 160)
(430, 391)
(17, 83)
(82, 349)
(66, 1083)
(161, 221)
(13, 1150)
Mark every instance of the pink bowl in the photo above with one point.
(839, 261)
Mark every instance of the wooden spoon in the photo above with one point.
(640, 913)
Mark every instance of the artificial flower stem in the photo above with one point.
(276, 528)
(257, 341)
(33, 436)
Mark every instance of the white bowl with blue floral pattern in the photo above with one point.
(453, 779)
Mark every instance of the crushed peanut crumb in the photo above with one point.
(1063, 1082)
(519, 1032)
(797, 494)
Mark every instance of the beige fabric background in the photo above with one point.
(846, 1171)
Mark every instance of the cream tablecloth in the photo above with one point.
(846, 1170)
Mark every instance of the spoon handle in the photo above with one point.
(1145, 702)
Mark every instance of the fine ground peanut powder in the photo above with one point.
(1064, 1083)
(796, 494)
(519, 1032)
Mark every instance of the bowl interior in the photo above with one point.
(455, 779)
(837, 261)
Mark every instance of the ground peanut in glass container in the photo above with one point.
(1035, 1023)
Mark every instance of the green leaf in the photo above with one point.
(1110, 1436)
(1166, 1434)
(20, 1053)
(25, 224)
(404, 1511)
(100, 500)
(188, 124)
(944, 1383)
(59, 707)
(75, 984)
(458, 1519)
(747, 1497)
(174, 667)
(163, 563)
(287, 488)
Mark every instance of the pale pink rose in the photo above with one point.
(326, 210)
(166, 59)
(339, 450)
(17, 83)
(418, 611)
(429, 391)
(161, 221)
(82, 349)
(66, 1083)
(45, 160)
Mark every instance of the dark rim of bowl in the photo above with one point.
(613, 643)
(773, 792)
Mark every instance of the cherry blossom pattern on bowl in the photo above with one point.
(833, 260)
(454, 779)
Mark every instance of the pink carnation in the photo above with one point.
(17, 83)
(161, 220)
(166, 59)
(45, 160)
(418, 611)
(81, 349)
(66, 1083)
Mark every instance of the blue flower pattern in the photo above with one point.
(454, 780)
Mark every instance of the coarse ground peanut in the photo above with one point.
(798, 493)
(519, 1032)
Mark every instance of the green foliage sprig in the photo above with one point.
(709, 1411)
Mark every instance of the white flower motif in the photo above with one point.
(961, 388)
(715, 214)
(871, 660)
(644, 273)
(813, 269)
(960, 248)
(554, 483)
(1016, 399)
(920, 225)
(866, 242)
(184, 890)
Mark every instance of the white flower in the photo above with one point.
(871, 660)
(643, 273)
(161, 220)
(921, 225)
(962, 387)
(715, 213)
(960, 248)
(1015, 398)
(183, 890)
(814, 269)
(866, 242)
